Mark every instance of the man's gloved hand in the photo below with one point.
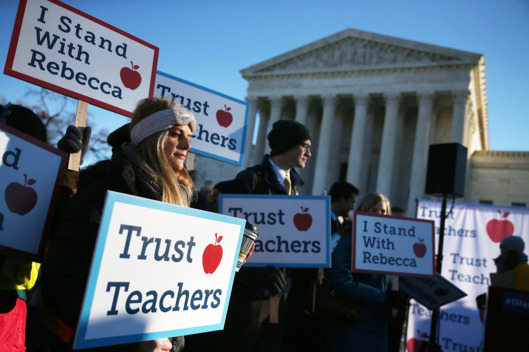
(75, 139)
(274, 280)
(396, 299)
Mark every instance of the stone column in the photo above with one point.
(276, 106)
(324, 143)
(387, 151)
(249, 132)
(420, 149)
(356, 147)
(261, 142)
(302, 107)
(458, 116)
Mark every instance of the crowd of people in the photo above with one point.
(147, 160)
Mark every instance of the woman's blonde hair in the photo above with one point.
(177, 187)
(372, 199)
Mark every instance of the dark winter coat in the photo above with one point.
(67, 264)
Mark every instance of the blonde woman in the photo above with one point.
(370, 291)
(150, 166)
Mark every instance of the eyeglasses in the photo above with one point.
(306, 147)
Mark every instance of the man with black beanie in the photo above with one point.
(247, 326)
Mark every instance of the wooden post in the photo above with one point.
(274, 309)
(80, 121)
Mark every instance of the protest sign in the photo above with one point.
(222, 120)
(472, 235)
(294, 231)
(63, 49)
(31, 174)
(430, 292)
(158, 270)
(393, 245)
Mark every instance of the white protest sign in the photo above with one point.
(472, 236)
(294, 231)
(158, 270)
(31, 174)
(393, 245)
(63, 49)
(222, 120)
(430, 292)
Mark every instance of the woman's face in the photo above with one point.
(176, 146)
(379, 208)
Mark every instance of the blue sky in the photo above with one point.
(209, 41)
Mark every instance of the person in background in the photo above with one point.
(398, 211)
(150, 166)
(371, 291)
(247, 325)
(17, 276)
(343, 197)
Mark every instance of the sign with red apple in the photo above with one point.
(498, 229)
(294, 231)
(431, 292)
(222, 120)
(471, 237)
(393, 245)
(105, 66)
(158, 270)
(31, 172)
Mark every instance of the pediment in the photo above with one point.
(353, 50)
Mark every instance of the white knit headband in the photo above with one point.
(160, 121)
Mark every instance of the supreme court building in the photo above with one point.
(375, 104)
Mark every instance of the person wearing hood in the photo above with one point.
(512, 259)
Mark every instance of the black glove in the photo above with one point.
(274, 280)
(76, 139)
(396, 299)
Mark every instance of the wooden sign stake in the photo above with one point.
(274, 309)
(80, 121)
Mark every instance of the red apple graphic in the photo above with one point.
(224, 118)
(419, 248)
(130, 77)
(303, 220)
(212, 256)
(416, 345)
(499, 229)
(20, 199)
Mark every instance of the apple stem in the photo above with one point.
(132, 65)
(25, 179)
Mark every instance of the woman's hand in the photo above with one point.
(158, 345)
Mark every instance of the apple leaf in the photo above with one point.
(228, 109)
(136, 67)
(220, 239)
(31, 181)
(505, 214)
(306, 210)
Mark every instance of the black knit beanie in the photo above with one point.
(23, 120)
(285, 135)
